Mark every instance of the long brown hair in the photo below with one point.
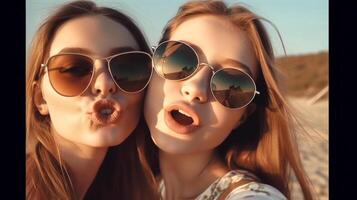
(124, 173)
(265, 143)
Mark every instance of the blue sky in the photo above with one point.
(303, 24)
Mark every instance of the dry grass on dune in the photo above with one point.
(303, 75)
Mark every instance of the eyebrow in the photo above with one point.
(117, 50)
(76, 50)
(85, 51)
(231, 62)
(237, 64)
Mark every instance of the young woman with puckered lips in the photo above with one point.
(88, 69)
(215, 111)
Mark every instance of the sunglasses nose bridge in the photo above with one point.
(102, 81)
(196, 88)
(207, 65)
(101, 65)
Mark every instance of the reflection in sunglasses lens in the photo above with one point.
(232, 88)
(70, 74)
(175, 60)
(131, 71)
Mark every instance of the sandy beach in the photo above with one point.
(313, 148)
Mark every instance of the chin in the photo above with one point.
(106, 142)
(107, 137)
(172, 146)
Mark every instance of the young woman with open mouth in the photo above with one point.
(87, 71)
(215, 112)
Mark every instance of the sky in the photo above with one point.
(302, 24)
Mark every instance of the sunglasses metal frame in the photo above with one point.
(154, 48)
(44, 67)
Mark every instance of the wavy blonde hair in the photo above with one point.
(266, 142)
(124, 173)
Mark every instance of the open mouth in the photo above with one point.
(181, 118)
(105, 112)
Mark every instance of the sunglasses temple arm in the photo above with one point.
(43, 66)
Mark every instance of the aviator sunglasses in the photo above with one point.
(177, 60)
(70, 74)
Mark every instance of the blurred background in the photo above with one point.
(303, 26)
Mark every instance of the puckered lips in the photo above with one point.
(105, 112)
(181, 118)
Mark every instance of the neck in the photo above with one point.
(188, 175)
(83, 163)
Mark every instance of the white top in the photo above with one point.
(252, 190)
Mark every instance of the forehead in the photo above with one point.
(98, 34)
(218, 39)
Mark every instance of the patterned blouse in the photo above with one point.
(251, 190)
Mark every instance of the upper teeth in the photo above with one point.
(183, 112)
(106, 111)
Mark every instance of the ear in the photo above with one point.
(249, 110)
(39, 100)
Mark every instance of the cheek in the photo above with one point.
(133, 99)
(57, 104)
(220, 126)
(171, 91)
(154, 98)
(132, 104)
(66, 114)
(226, 119)
(158, 92)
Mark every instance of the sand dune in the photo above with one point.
(313, 147)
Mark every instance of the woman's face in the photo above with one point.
(220, 44)
(84, 119)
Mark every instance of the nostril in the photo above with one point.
(97, 91)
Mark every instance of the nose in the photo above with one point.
(196, 88)
(102, 83)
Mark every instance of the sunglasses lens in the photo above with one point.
(131, 71)
(232, 88)
(175, 60)
(70, 74)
